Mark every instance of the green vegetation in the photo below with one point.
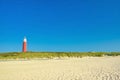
(31, 55)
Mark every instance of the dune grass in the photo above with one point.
(31, 55)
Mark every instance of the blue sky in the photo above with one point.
(60, 25)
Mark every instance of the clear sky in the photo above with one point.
(60, 25)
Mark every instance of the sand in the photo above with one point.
(87, 68)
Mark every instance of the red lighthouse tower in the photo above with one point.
(24, 49)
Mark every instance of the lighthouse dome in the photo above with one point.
(25, 40)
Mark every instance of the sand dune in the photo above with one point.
(87, 68)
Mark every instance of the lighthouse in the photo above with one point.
(24, 47)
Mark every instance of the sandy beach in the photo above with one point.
(87, 68)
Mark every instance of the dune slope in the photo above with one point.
(87, 68)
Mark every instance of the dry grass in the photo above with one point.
(31, 55)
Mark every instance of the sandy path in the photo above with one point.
(88, 68)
